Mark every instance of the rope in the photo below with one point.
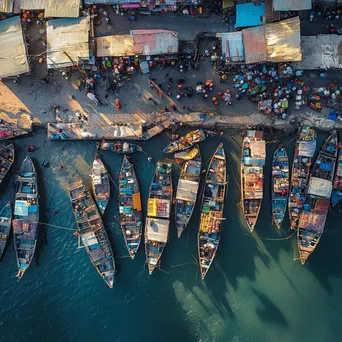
(269, 239)
(52, 225)
(112, 181)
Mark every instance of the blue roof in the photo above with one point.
(249, 14)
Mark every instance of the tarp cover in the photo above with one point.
(54, 8)
(232, 46)
(187, 190)
(307, 148)
(157, 229)
(292, 5)
(117, 46)
(258, 149)
(158, 207)
(21, 208)
(320, 187)
(89, 239)
(67, 39)
(12, 48)
(283, 41)
(249, 14)
(312, 221)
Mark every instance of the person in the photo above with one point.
(44, 163)
(222, 134)
(332, 29)
(55, 212)
(173, 106)
(30, 148)
(60, 166)
(149, 159)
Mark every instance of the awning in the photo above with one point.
(117, 46)
(283, 41)
(292, 5)
(12, 48)
(232, 46)
(187, 190)
(54, 8)
(320, 187)
(67, 42)
(157, 229)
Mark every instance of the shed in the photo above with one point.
(321, 52)
(155, 42)
(232, 46)
(117, 46)
(249, 14)
(292, 5)
(255, 47)
(6, 6)
(283, 41)
(54, 8)
(67, 39)
(13, 49)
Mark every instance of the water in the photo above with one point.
(253, 292)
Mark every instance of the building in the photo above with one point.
(53, 8)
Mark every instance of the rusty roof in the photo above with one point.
(54, 8)
(255, 44)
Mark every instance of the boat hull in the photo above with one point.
(118, 147)
(6, 160)
(5, 226)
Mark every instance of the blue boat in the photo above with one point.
(280, 185)
(336, 195)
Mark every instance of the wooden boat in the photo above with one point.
(252, 175)
(312, 218)
(6, 160)
(336, 195)
(100, 182)
(212, 210)
(26, 216)
(183, 156)
(118, 147)
(5, 226)
(158, 214)
(280, 185)
(10, 130)
(302, 160)
(189, 140)
(130, 207)
(187, 190)
(92, 232)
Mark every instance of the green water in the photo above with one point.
(255, 291)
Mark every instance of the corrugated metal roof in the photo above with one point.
(118, 45)
(292, 5)
(54, 8)
(321, 52)
(249, 14)
(155, 42)
(232, 46)
(13, 58)
(283, 41)
(6, 6)
(255, 44)
(67, 37)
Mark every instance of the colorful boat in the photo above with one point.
(280, 185)
(5, 226)
(336, 195)
(183, 156)
(212, 210)
(302, 160)
(100, 183)
(315, 211)
(252, 175)
(92, 232)
(118, 147)
(26, 216)
(188, 140)
(187, 190)
(6, 160)
(158, 214)
(130, 207)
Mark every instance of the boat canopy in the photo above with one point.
(307, 148)
(157, 207)
(320, 187)
(89, 239)
(157, 229)
(258, 149)
(187, 190)
(21, 208)
(136, 201)
(312, 221)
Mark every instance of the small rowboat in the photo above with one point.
(189, 140)
(118, 147)
(101, 186)
(5, 226)
(6, 160)
(280, 185)
(183, 156)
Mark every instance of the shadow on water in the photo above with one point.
(269, 312)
